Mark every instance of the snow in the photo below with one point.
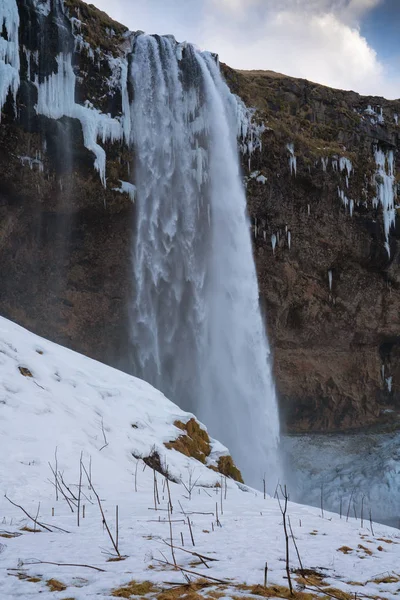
(73, 404)
(56, 99)
(9, 51)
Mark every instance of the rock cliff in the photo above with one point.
(321, 198)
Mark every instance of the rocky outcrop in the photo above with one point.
(330, 287)
(329, 275)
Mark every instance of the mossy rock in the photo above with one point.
(227, 467)
(195, 443)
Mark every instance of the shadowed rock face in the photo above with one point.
(65, 240)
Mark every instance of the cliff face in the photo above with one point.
(331, 285)
(319, 195)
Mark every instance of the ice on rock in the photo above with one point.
(330, 279)
(273, 242)
(249, 132)
(289, 239)
(56, 99)
(345, 164)
(396, 119)
(292, 159)
(389, 381)
(9, 51)
(386, 190)
(325, 162)
(127, 188)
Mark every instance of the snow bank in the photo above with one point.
(56, 404)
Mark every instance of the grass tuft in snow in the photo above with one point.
(195, 443)
(134, 589)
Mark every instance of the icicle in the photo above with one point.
(289, 239)
(386, 190)
(56, 98)
(351, 207)
(127, 188)
(389, 381)
(309, 209)
(9, 51)
(330, 279)
(292, 159)
(273, 242)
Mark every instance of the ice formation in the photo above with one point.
(9, 51)
(127, 188)
(292, 159)
(386, 190)
(56, 99)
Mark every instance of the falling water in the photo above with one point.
(197, 329)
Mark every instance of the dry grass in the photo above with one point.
(25, 372)
(134, 589)
(308, 577)
(56, 586)
(364, 549)
(338, 594)
(345, 550)
(387, 580)
(30, 530)
(227, 467)
(195, 443)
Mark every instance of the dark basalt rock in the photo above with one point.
(65, 240)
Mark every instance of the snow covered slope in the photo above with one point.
(55, 405)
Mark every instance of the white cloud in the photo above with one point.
(318, 40)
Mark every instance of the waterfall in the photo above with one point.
(197, 329)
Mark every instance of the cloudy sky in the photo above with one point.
(349, 44)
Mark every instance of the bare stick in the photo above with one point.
(191, 532)
(370, 521)
(79, 488)
(295, 545)
(37, 514)
(60, 488)
(136, 468)
(216, 512)
(183, 543)
(284, 511)
(222, 508)
(221, 581)
(55, 476)
(117, 526)
(266, 575)
(362, 511)
(60, 475)
(265, 491)
(44, 562)
(169, 496)
(171, 538)
(104, 435)
(322, 500)
(341, 502)
(207, 558)
(28, 515)
(101, 511)
(348, 509)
